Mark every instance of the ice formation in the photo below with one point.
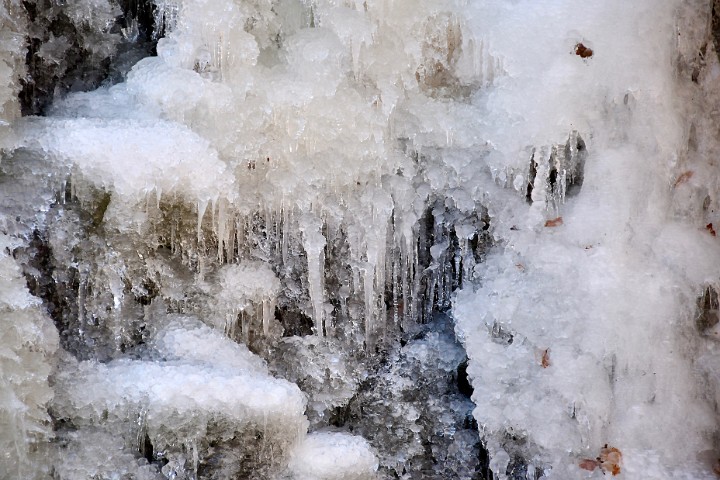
(257, 225)
(191, 404)
(28, 345)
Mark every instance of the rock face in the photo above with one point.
(382, 239)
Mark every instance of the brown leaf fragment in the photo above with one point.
(710, 229)
(545, 360)
(582, 51)
(555, 222)
(614, 469)
(588, 464)
(683, 178)
(610, 458)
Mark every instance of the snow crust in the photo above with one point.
(329, 456)
(579, 332)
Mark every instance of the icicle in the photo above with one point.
(268, 219)
(395, 285)
(490, 72)
(142, 429)
(73, 187)
(378, 289)
(416, 277)
(173, 246)
(82, 290)
(201, 207)
(406, 248)
(240, 233)
(231, 237)
(244, 326)
(200, 267)
(314, 244)
(268, 313)
(146, 210)
(467, 260)
(277, 229)
(356, 46)
(222, 231)
(369, 288)
(165, 17)
(458, 268)
(227, 328)
(317, 295)
(479, 59)
(213, 216)
(285, 234)
(369, 275)
(406, 273)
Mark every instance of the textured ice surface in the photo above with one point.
(321, 367)
(544, 171)
(29, 342)
(12, 29)
(79, 450)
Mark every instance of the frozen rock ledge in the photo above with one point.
(236, 238)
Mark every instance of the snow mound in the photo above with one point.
(333, 456)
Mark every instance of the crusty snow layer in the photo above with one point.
(333, 456)
(581, 327)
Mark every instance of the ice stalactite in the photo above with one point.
(556, 171)
(314, 244)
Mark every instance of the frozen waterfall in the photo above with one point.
(345, 239)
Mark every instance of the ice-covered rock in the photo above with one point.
(197, 401)
(29, 342)
(337, 172)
